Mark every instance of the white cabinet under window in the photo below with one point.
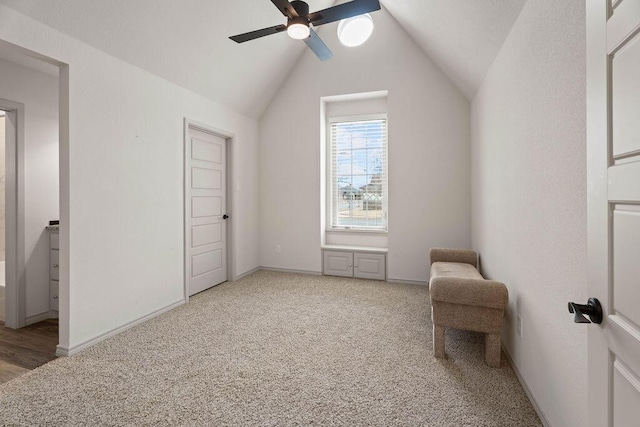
(361, 263)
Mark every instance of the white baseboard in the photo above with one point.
(64, 351)
(408, 282)
(246, 273)
(286, 270)
(37, 318)
(527, 391)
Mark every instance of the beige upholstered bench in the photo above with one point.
(461, 298)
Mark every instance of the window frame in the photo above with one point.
(330, 226)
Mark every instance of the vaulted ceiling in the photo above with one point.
(186, 41)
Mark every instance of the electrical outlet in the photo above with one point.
(519, 325)
(278, 249)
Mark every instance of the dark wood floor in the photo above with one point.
(22, 350)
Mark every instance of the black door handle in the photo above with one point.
(593, 309)
(225, 216)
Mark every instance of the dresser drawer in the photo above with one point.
(54, 300)
(53, 264)
(55, 241)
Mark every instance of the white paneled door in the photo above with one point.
(613, 183)
(205, 210)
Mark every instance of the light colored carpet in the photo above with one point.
(277, 349)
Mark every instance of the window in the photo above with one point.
(358, 173)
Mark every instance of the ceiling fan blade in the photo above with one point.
(315, 43)
(241, 38)
(343, 11)
(286, 8)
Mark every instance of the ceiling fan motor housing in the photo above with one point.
(302, 8)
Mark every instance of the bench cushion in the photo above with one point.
(454, 269)
(458, 283)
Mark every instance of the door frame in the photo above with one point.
(230, 223)
(598, 210)
(15, 288)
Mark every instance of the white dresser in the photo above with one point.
(54, 256)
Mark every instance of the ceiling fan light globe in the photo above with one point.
(356, 30)
(298, 31)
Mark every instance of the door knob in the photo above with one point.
(593, 309)
(225, 216)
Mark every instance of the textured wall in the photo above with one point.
(429, 156)
(529, 198)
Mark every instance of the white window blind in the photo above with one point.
(358, 169)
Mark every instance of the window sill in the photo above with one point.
(345, 248)
(355, 231)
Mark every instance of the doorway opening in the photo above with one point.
(27, 342)
(30, 135)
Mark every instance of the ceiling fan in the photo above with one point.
(300, 22)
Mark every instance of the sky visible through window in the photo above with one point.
(359, 163)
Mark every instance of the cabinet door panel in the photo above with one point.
(338, 263)
(369, 266)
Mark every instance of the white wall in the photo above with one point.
(125, 189)
(529, 198)
(3, 181)
(429, 156)
(39, 94)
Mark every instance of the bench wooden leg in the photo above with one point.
(438, 341)
(492, 350)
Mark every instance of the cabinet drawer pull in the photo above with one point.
(55, 265)
(55, 297)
